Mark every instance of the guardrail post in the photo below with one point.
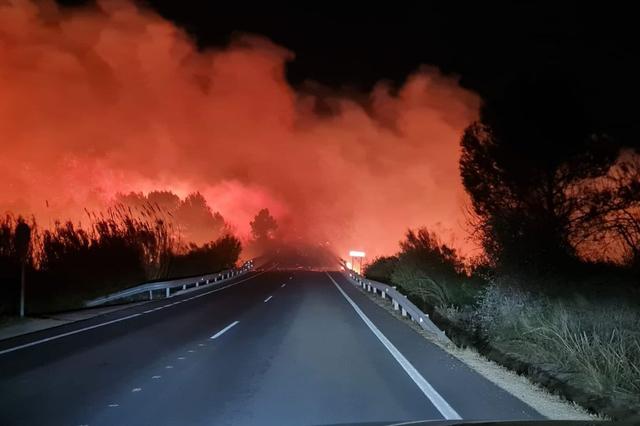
(184, 286)
(395, 305)
(150, 294)
(404, 312)
(167, 292)
(383, 294)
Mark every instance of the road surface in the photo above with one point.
(273, 348)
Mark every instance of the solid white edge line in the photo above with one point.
(436, 399)
(58, 336)
(267, 299)
(224, 330)
(48, 339)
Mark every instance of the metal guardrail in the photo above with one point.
(400, 302)
(173, 287)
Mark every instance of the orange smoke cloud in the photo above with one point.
(112, 98)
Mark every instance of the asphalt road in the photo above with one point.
(276, 348)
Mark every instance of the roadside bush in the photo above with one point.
(214, 256)
(430, 272)
(70, 263)
(417, 282)
(381, 268)
(593, 346)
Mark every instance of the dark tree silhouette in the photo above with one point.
(213, 256)
(164, 200)
(192, 217)
(610, 213)
(198, 221)
(263, 226)
(523, 164)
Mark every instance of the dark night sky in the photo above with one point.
(491, 46)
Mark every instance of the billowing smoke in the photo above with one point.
(112, 99)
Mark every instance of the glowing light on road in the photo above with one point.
(356, 253)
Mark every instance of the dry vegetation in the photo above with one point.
(116, 249)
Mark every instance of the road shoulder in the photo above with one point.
(15, 327)
(548, 405)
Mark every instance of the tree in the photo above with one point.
(615, 224)
(164, 200)
(263, 226)
(213, 256)
(191, 217)
(198, 222)
(522, 164)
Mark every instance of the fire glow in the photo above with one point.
(112, 98)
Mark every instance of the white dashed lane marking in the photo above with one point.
(114, 405)
(136, 389)
(156, 377)
(224, 330)
(169, 366)
(70, 333)
(267, 299)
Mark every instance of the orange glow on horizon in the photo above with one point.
(120, 100)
